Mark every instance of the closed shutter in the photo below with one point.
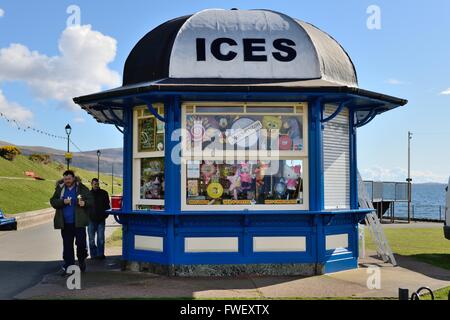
(336, 159)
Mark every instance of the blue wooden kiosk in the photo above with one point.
(239, 146)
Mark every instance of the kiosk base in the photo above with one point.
(226, 270)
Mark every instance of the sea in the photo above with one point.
(427, 202)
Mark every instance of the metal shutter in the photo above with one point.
(336, 159)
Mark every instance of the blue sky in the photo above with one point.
(409, 57)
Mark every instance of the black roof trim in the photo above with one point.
(183, 87)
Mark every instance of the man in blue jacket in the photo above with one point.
(72, 201)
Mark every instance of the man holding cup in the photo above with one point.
(72, 201)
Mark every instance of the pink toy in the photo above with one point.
(234, 184)
(292, 175)
(245, 177)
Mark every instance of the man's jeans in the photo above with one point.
(69, 234)
(96, 249)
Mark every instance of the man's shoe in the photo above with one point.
(63, 272)
(82, 265)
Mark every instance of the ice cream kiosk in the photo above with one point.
(239, 145)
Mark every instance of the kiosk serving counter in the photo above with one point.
(239, 146)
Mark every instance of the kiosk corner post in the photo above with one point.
(316, 199)
(127, 205)
(172, 170)
(353, 163)
(316, 171)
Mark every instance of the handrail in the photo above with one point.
(416, 295)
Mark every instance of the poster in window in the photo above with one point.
(152, 178)
(147, 134)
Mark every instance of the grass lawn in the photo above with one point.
(115, 239)
(441, 294)
(424, 244)
(24, 194)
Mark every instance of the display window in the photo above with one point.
(231, 130)
(248, 182)
(148, 159)
(238, 156)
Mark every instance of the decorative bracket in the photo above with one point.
(115, 119)
(155, 112)
(370, 116)
(119, 121)
(335, 113)
(118, 128)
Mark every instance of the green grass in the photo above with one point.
(26, 194)
(441, 294)
(115, 239)
(424, 244)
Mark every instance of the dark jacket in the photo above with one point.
(101, 204)
(81, 213)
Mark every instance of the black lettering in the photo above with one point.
(284, 45)
(201, 52)
(216, 46)
(250, 49)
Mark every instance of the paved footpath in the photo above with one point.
(105, 280)
(33, 254)
(29, 254)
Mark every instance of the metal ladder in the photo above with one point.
(373, 224)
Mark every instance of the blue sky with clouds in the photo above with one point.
(42, 67)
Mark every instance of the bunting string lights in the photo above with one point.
(27, 128)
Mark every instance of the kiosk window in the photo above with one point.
(148, 159)
(244, 182)
(256, 158)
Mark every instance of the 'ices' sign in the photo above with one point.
(253, 49)
(243, 45)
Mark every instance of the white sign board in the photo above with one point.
(240, 44)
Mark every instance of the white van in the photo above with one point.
(447, 212)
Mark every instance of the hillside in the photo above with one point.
(19, 193)
(85, 160)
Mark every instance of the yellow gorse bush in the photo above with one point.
(9, 152)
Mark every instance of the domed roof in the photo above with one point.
(236, 45)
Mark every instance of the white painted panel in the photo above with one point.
(336, 241)
(336, 157)
(148, 243)
(216, 244)
(279, 244)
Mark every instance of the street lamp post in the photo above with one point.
(112, 179)
(98, 164)
(68, 131)
(409, 176)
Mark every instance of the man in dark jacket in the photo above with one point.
(97, 219)
(72, 201)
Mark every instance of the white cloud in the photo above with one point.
(396, 82)
(14, 111)
(399, 175)
(80, 68)
(79, 120)
(446, 92)
(2, 12)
